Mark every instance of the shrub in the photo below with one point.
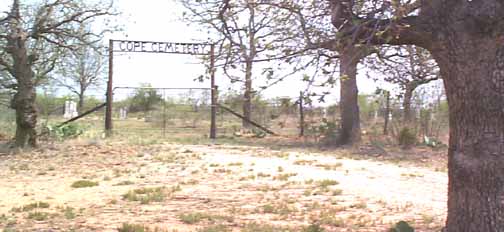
(38, 216)
(69, 213)
(326, 183)
(215, 228)
(84, 184)
(402, 226)
(66, 131)
(146, 195)
(255, 227)
(407, 137)
(314, 228)
(126, 227)
(132, 228)
(192, 218)
(32, 206)
(326, 131)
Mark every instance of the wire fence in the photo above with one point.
(54, 109)
(284, 116)
(186, 113)
(7, 119)
(162, 111)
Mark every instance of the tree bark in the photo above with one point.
(408, 95)
(24, 100)
(466, 38)
(350, 132)
(473, 72)
(80, 104)
(26, 117)
(386, 115)
(249, 62)
(247, 95)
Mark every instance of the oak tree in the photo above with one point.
(32, 37)
(409, 67)
(82, 69)
(261, 39)
(466, 38)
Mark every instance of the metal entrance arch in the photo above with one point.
(160, 47)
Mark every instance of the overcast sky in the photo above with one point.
(158, 20)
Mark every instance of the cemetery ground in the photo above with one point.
(106, 185)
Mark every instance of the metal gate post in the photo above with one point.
(301, 115)
(108, 112)
(213, 125)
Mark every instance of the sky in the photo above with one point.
(159, 20)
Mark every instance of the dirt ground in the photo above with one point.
(219, 188)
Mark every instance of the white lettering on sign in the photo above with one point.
(161, 47)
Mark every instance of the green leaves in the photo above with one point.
(402, 226)
(67, 131)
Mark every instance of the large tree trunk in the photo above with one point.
(386, 114)
(473, 71)
(467, 40)
(349, 109)
(26, 115)
(408, 95)
(24, 100)
(80, 104)
(247, 95)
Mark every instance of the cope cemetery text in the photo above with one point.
(161, 47)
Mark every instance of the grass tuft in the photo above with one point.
(215, 228)
(84, 184)
(126, 182)
(146, 195)
(38, 216)
(326, 183)
(32, 206)
(194, 218)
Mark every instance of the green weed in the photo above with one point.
(84, 184)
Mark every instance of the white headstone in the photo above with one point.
(123, 113)
(70, 110)
(75, 113)
(67, 110)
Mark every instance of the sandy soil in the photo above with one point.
(235, 187)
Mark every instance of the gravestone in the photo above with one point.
(70, 110)
(123, 113)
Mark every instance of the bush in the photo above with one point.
(84, 184)
(402, 226)
(407, 137)
(38, 216)
(132, 228)
(146, 195)
(326, 131)
(66, 131)
(314, 228)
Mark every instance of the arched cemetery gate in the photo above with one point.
(125, 46)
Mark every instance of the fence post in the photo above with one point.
(164, 113)
(213, 125)
(108, 112)
(387, 112)
(301, 115)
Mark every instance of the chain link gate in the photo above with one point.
(162, 112)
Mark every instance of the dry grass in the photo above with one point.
(213, 188)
